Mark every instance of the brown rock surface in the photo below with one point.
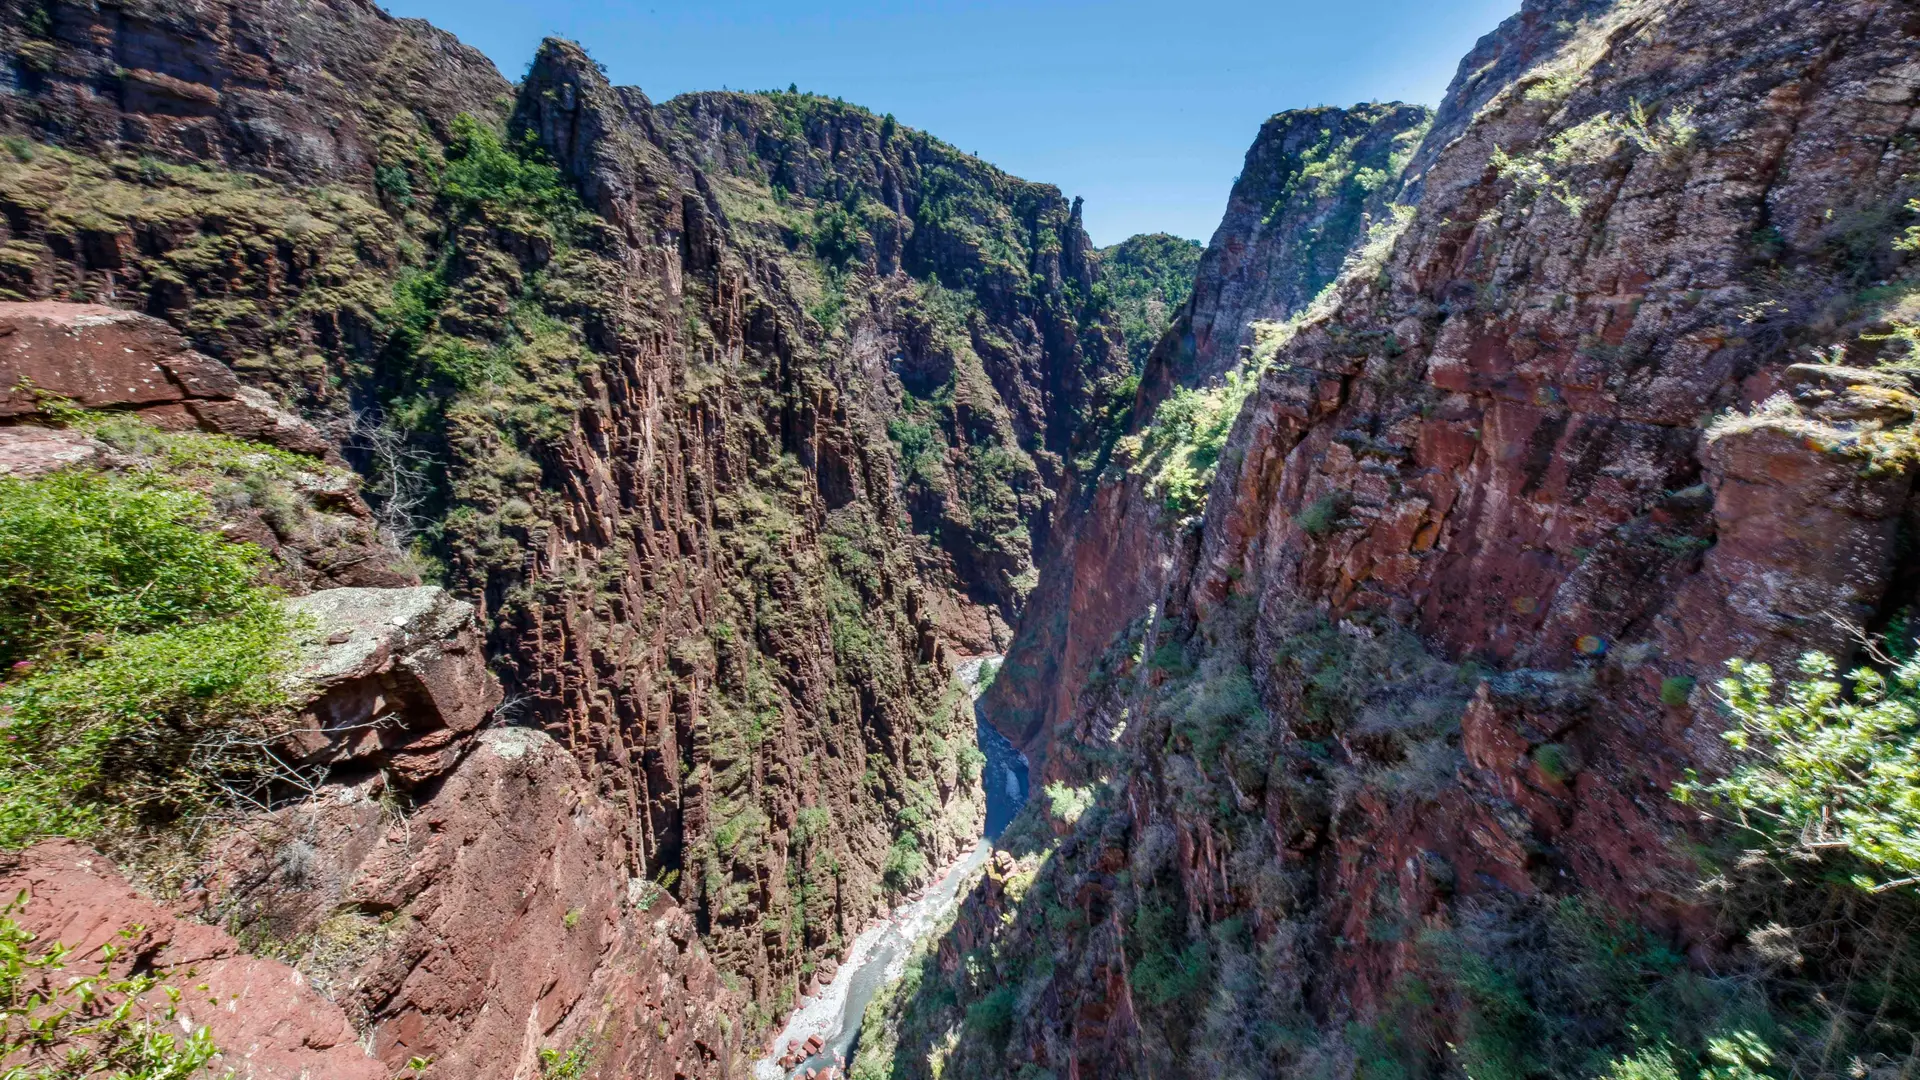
(101, 357)
(1535, 458)
(33, 451)
(395, 678)
(268, 1022)
(484, 922)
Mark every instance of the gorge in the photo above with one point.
(495, 576)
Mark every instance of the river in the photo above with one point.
(879, 954)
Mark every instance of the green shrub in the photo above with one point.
(55, 1026)
(1826, 772)
(483, 174)
(992, 1016)
(148, 655)
(147, 730)
(1167, 977)
(1067, 803)
(85, 556)
(1318, 518)
(568, 1065)
(1675, 689)
(971, 760)
(1523, 989)
(904, 865)
(1554, 761)
(1179, 453)
(393, 181)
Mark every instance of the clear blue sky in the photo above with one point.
(1144, 109)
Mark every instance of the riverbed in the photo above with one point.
(879, 954)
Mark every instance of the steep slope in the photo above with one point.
(1378, 783)
(1316, 183)
(1149, 278)
(729, 479)
(964, 296)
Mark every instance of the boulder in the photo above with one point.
(391, 678)
(100, 357)
(27, 451)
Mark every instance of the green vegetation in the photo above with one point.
(1327, 188)
(905, 866)
(144, 651)
(1832, 769)
(1547, 170)
(570, 1064)
(1145, 279)
(56, 1025)
(1180, 452)
(1555, 989)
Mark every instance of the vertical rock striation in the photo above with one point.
(1418, 684)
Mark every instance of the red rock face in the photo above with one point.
(275, 88)
(490, 920)
(1523, 474)
(1111, 550)
(1502, 440)
(100, 357)
(264, 1017)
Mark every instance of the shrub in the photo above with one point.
(1318, 517)
(904, 864)
(1068, 803)
(570, 1064)
(393, 181)
(149, 729)
(1181, 450)
(147, 655)
(1675, 689)
(85, 556)
(1826, 772)
(971, 760)
(483, 173)
(65, 1027)
(992, 1016)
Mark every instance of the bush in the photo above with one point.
(1318, 518)
(992, 1016)
(483, 174)
(150, 655)
(55, 1027)
(1675, 690)
(1826, 772)
(904, 865)
(1181, 450)
(568, 1065)
(86, 556)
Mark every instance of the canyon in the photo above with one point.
(640, 494)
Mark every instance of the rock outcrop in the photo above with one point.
(728, 498)
(102, 358)
(1496, 515)
(266, 1019)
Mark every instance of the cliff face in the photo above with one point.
(961, 299)
(735, 419)
(1316, 182)
(1313, 183)
(1375, 767)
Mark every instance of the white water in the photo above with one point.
(879, 954)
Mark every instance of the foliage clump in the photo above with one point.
(1180, 452)
(1143, 280)
(60, 1026)
(144, 650)
(1829, 767)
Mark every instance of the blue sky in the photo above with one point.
(1144, 109)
